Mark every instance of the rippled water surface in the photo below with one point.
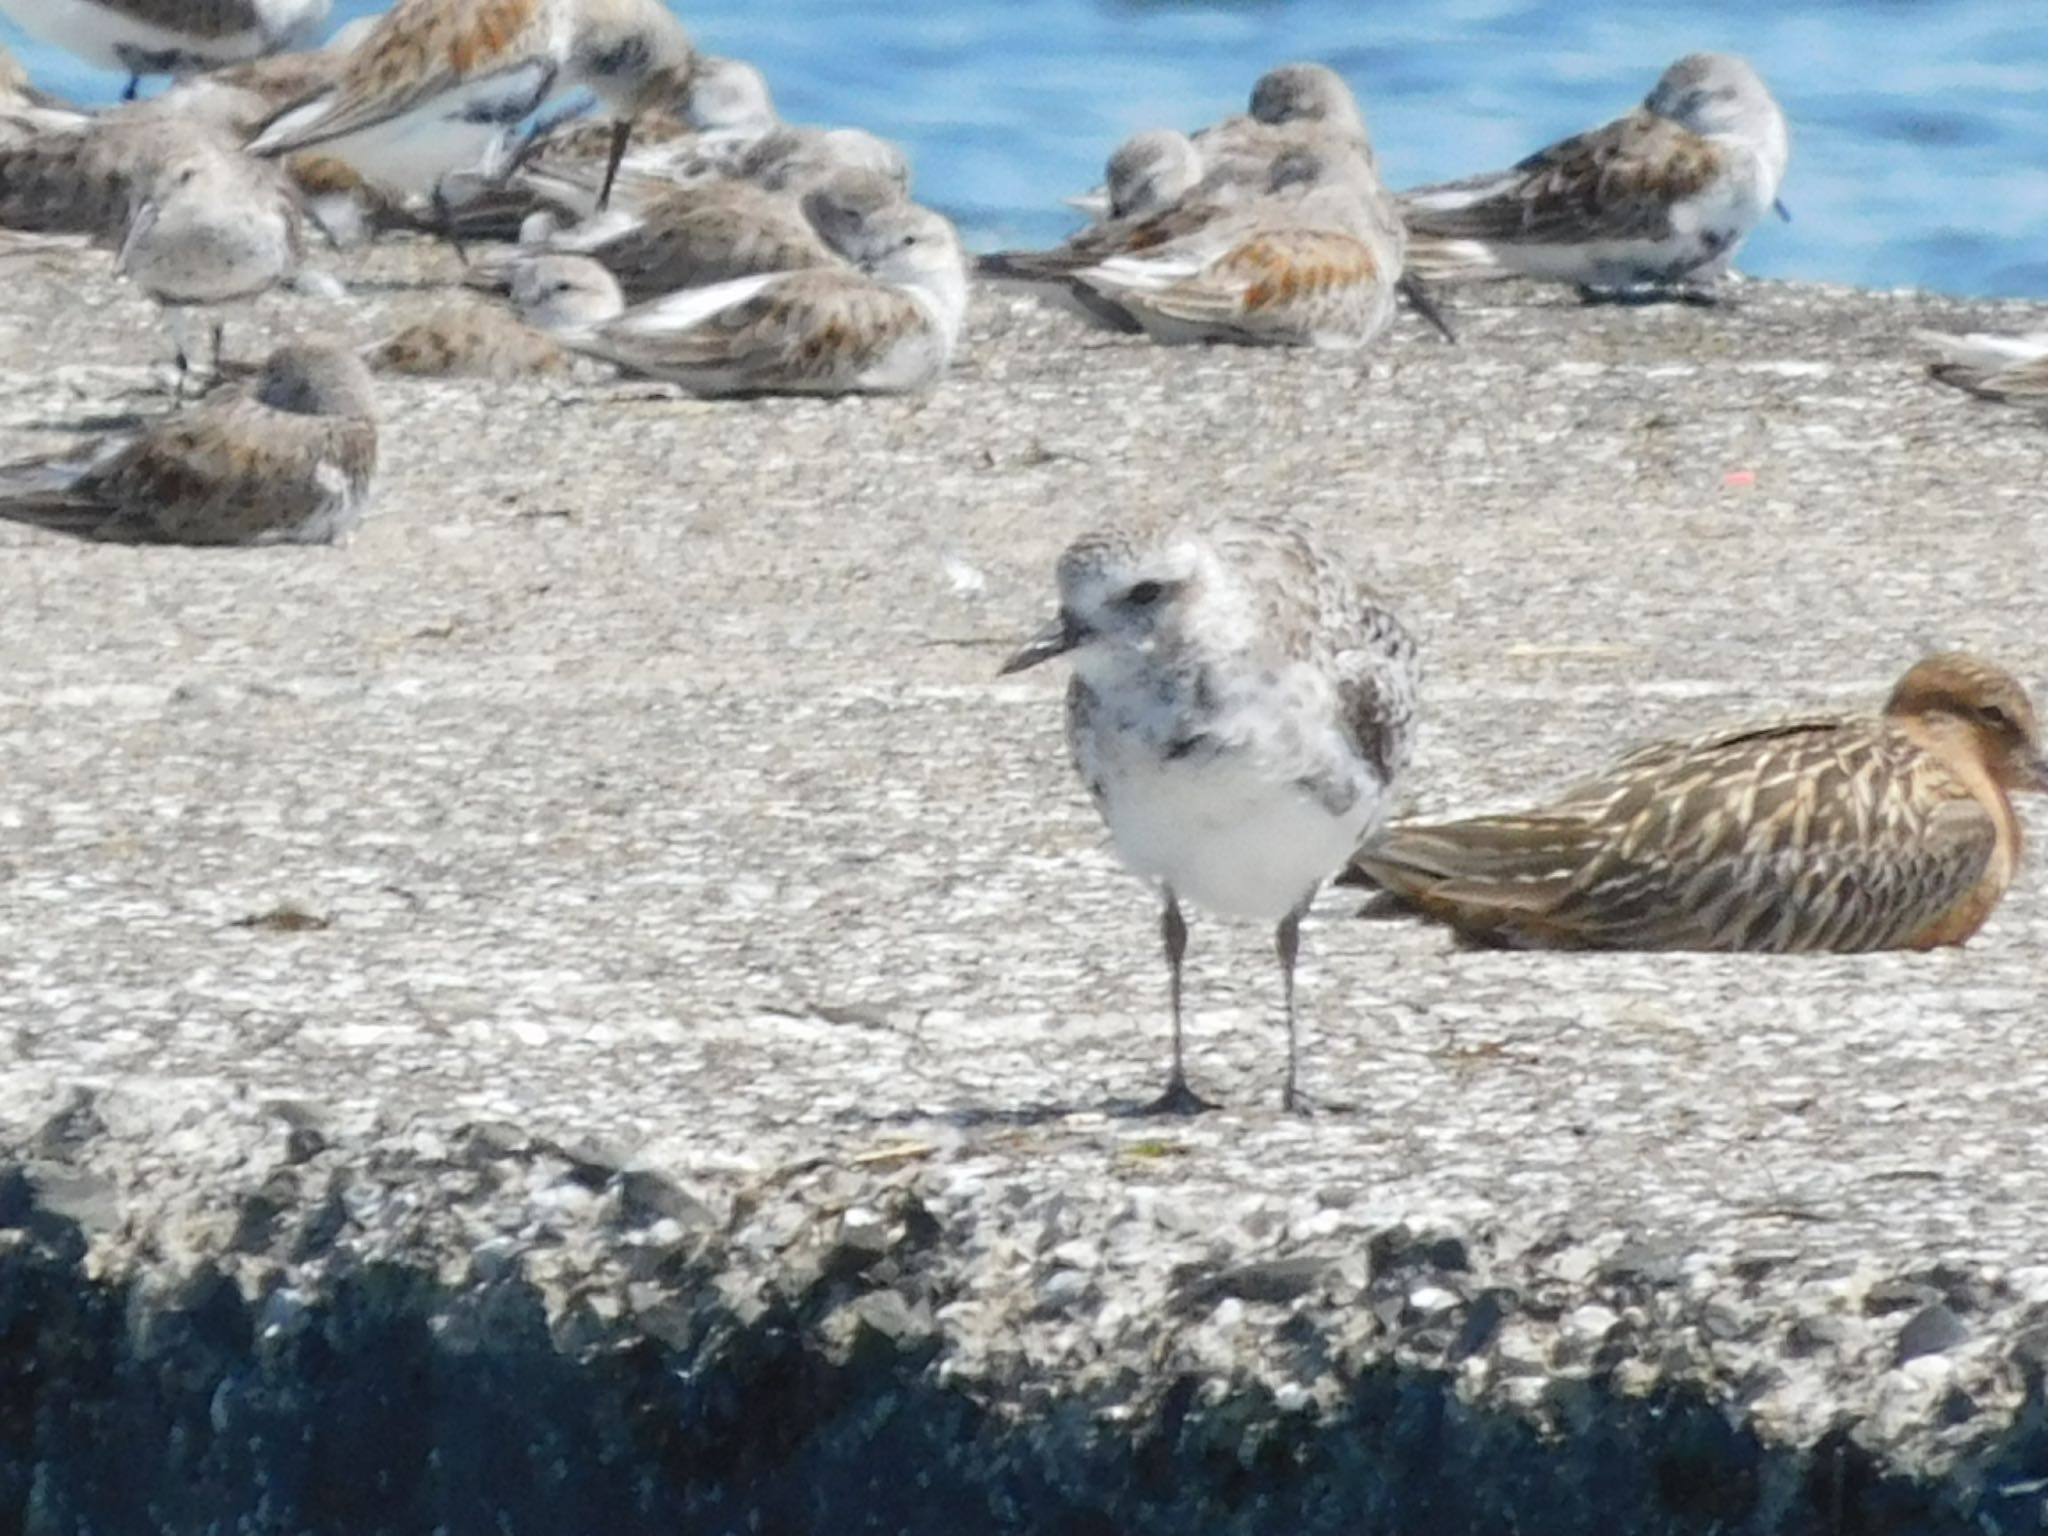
(1920, 127)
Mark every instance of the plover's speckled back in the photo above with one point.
(436, 82)
(1239, 709)
(155, 37)
(284, 458)
(1892, 831)
(1664, 195)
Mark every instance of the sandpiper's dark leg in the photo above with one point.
(134, 85)
(444, 215)
(1287, 941)
(220, 330)
(176, 319)
(622, 130)
(1179, 1098)
(1423, 302)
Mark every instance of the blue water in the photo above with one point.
(1920, 127)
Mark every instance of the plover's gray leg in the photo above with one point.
(1287, 942)
(1179, 1098)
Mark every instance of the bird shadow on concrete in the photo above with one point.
(109, 421)
(968, 1117)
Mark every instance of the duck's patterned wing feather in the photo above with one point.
(1806, 835)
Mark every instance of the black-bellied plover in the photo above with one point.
(1240, 709)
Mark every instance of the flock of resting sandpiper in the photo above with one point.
(1240, 708)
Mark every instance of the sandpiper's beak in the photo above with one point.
(1778, 207)
(1423, 302)
(622, 131)
(1056, 639)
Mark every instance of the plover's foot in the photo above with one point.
(1179, 1099)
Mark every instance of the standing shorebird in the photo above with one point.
(1890, 831)
(286, 458)
(1239, 710)
(160, 37)
(1662, 196)
(436, 83)
(212, 230)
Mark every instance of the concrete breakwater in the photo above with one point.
(590, 1009)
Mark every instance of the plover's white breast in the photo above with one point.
(1244, 812)
(1224, 836)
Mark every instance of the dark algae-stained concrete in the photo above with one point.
(591, 1010)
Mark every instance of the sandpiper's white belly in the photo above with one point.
(100, 32)
(411, 154)
(1226, 836)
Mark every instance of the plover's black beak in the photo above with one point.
(1056, 639)
(1778, 207)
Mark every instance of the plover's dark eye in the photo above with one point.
(1145, 594)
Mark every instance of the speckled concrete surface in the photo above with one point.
(642, 783)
